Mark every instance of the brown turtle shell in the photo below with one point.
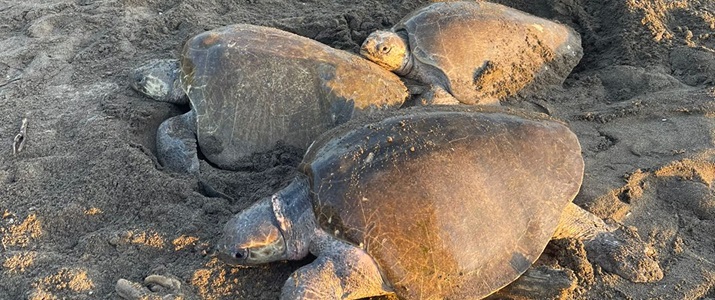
(484, 52)
(252, 86)
(452, 203)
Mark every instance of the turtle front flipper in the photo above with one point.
(437, 95)
(176, 144)
(616, 250)
(340, 271)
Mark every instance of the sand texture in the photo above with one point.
(86, 203)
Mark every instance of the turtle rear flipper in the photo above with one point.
(176, 144)
(614, 249)
(540, 282)
(622, 252)
(578, 223)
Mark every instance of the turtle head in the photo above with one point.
(275, 228)
(159, 80)
(387, 49)
(253, 236)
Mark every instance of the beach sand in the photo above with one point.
(85, 202)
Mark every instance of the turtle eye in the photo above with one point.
(240, 254)
(233, 257)
(385, 50)
(139, 79)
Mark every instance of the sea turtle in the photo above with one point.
(476, 52)
(437, 202)
(251, 86)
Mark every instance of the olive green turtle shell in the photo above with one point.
(483, 51)
(252, 86)
(452, 203)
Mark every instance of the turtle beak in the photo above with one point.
(364, 48)
(371, 46)
(252, 236)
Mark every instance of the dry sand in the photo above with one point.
(85, 203)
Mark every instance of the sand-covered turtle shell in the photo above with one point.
(252, 86)
(481, 50)
(452, 203)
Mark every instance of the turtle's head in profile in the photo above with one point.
(387, 49)
(275, 228)
(159, 80)
(253, 236)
